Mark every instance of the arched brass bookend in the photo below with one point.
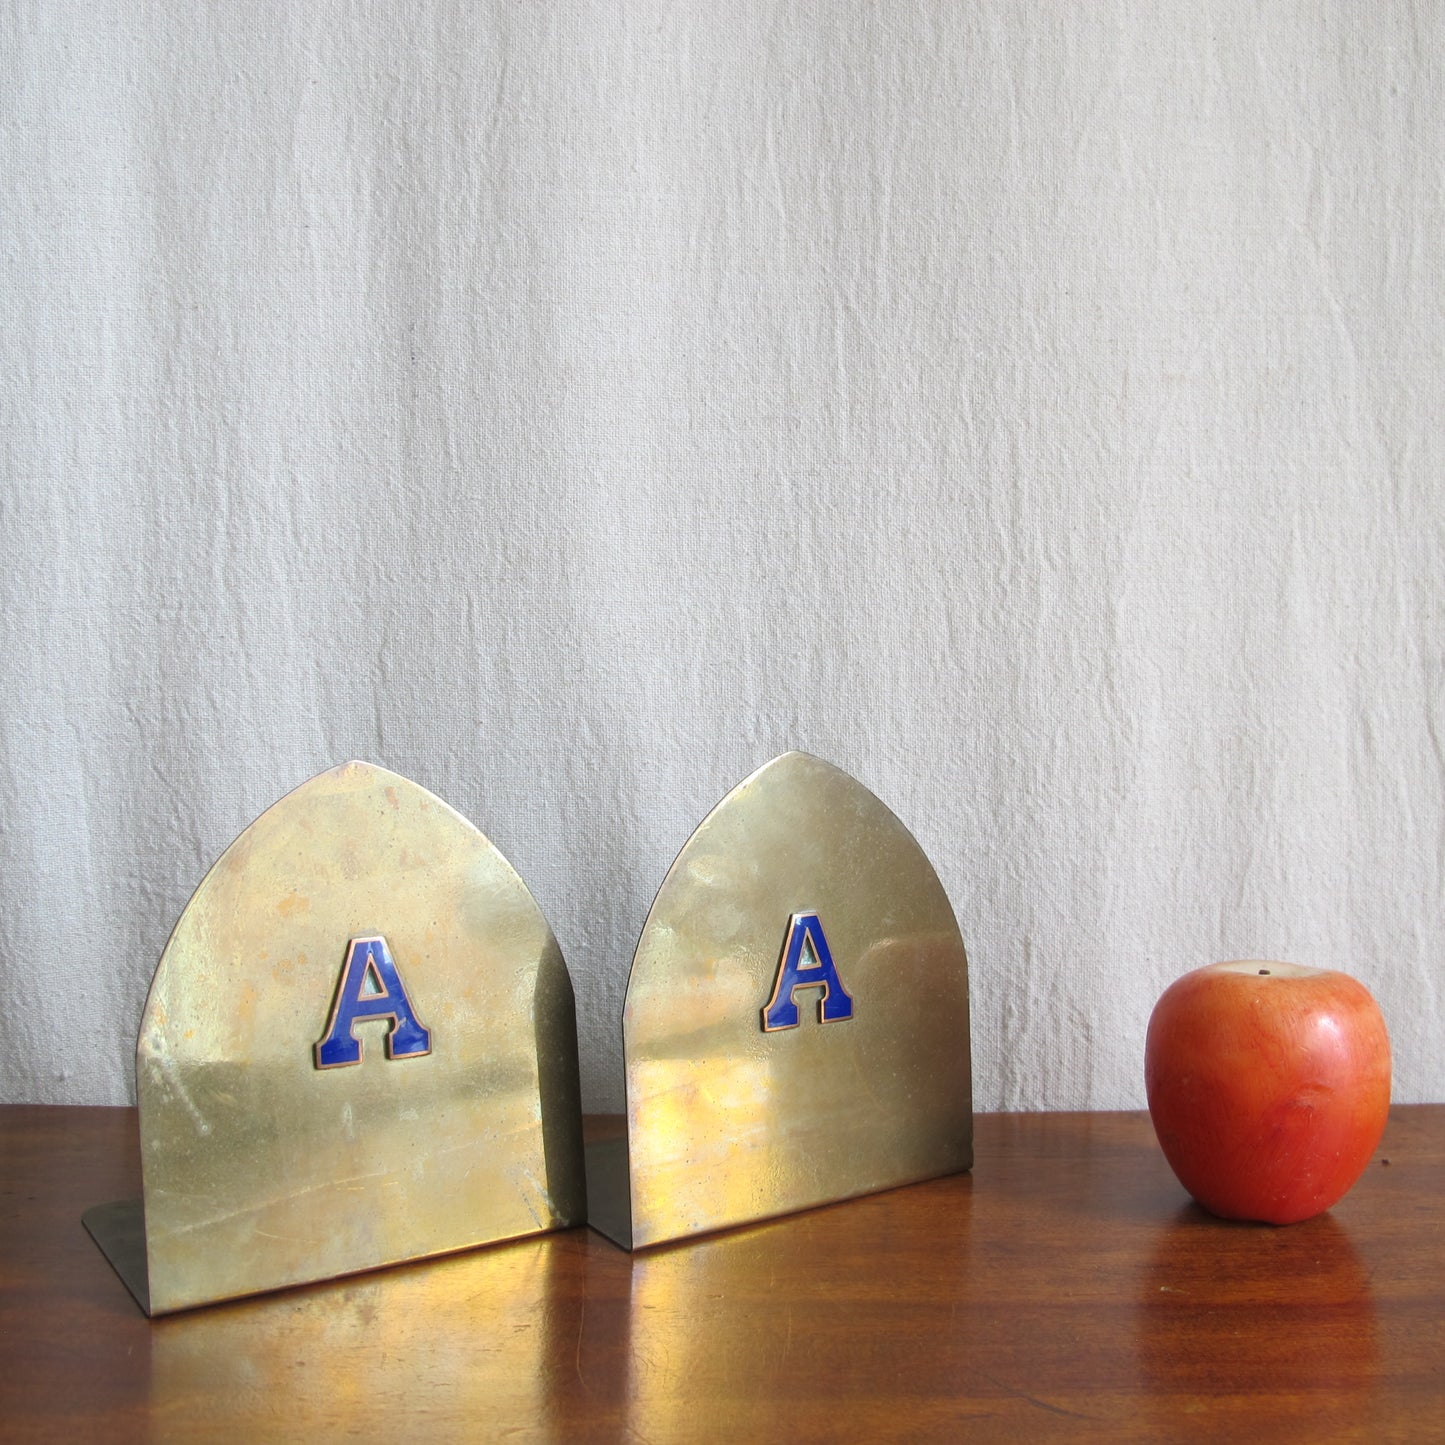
(796, 1025)
(359, 1048)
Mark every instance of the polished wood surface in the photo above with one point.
(1063, 1289)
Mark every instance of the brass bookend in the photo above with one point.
(359, 1048)
(796, 1023)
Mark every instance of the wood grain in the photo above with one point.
(1064, 1289)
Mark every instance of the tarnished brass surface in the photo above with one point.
(263, 1170)
(730, 1120)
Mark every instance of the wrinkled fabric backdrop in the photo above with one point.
(1037, 411)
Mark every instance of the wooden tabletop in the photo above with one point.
(1063, 1289)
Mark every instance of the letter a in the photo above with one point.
(369, 960)
(805, 931)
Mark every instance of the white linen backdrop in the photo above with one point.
(1036, 410)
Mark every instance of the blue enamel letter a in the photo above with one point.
(370, 988)
(805, 936)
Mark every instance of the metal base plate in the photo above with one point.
(120, 1231)
(609, 1194)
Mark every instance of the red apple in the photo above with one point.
(1268, 1085)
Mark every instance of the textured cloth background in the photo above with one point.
(1037, 411)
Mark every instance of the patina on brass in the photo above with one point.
(262, 1169)
(731, 1117)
